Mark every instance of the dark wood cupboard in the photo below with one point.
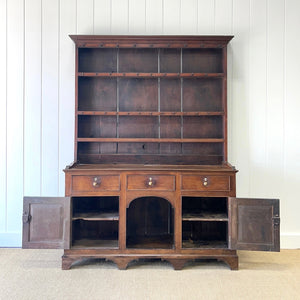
(151, 177)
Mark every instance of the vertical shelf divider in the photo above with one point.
(118, 102)
(181, 101)
(158, 96)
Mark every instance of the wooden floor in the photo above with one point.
(37, 274)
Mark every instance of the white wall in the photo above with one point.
(37, 91)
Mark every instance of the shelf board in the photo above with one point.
(156, 242)
(150, 75)
(95, 244)
(108, 216)
(204, 217)
(151, 140)
(150, 113)
(204, 244)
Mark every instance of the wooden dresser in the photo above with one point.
(151, 177)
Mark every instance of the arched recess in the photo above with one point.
(150, 223)
(168, 197)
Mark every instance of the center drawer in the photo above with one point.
(151, 182)
(85, 183)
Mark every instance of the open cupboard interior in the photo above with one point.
(150, 177)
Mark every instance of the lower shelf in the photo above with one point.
(95, 244)
(204, 244)
(157, 242)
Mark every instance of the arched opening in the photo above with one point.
(150, 224)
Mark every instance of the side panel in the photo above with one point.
(254, 224)
(46, 222)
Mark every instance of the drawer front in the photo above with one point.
(220, 183)
(151, 182)
(95, 183)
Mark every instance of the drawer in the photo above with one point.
(220, 183)
(151, 182)
(82, 183)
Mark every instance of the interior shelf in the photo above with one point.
(95, 243)
(158, 242)
(109, 216)
(151, 75)
(151, 140)
(204, 216)
(151, 113)
(204, 244)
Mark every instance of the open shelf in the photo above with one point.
(95, 244)
(211, 208)
(204, 234)
(204, 244)
(152, 101)
(151, 113)
(150, 75)
(95, 207)
(95, 222)
(91, 233)
(151, 140)
(207, 216)
(152, 242)
(106, 216)
(204, 222)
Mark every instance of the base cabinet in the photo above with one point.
(153, 215)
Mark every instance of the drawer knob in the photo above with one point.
(150, 182)
(96, 182)
(205, 181)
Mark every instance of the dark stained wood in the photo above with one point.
(138, 94)
(151, 113)
(138, 60)
(95, 244)
(46, 222)
(204, 216)
(170, 95)
(150, 75)
(97, 94)
(213, 160)
(137, 127)
(109, 216)
(156, 41)
(202, 94)
(97, 126)
(149, 131)
(97, 60)
(203, 127)
(142, 85)
(170, 60)
(202, 60)
(254, 224)
(150, 178)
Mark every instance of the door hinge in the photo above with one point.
(26, 217)
(276, 221)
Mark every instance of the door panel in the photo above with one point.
(46, 222)
(254, 224)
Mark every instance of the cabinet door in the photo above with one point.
(254, 224)
(46, 222)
